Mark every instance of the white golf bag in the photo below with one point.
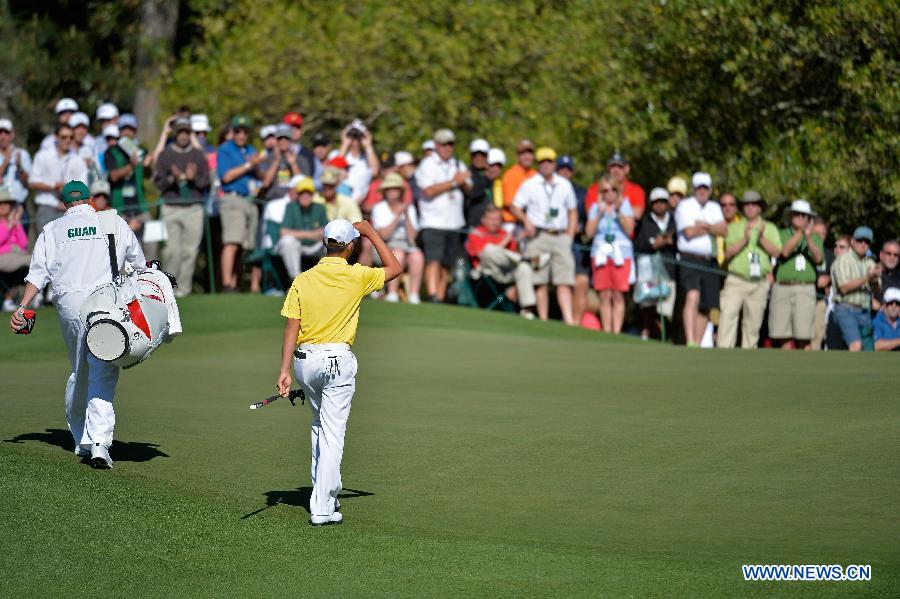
(127, 319)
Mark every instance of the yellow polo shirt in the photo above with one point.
(325, 299)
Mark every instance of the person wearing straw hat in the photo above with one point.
(395, 220)
(750, 246)
(792, 309)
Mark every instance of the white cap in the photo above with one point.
(891, 294)
(802, 207)
(496, 156)
(479, 145)
(333, 154)
(701, 179)
(428, 145)
(403, 158)
(658, 193)
(79, 118)
(111, 131)
(200, 122)
(341, 231)
(107, 111)
(295, 180)
(66, 104)
(266, 131)
(6, 125)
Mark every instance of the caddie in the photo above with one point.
(72, 255)
(322, 308)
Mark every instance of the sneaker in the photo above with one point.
(9, 305)
(414, 298)
(100, 457)
(527, 314)
(335, 518)
(82, 451)
(540, 261)
(392, 298)
(273, 293)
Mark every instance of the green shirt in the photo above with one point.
(740, 264)
(847, 267)
(799, 267)
(304, 219)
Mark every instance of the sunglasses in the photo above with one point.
(865, 241)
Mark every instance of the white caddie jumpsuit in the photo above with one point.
(72, 256)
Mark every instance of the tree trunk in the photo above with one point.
(159, 20)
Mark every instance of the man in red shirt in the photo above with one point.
(618, 168)
(516, 174)
(494, 253)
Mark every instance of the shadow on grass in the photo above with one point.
(121, 451)
(299, 497)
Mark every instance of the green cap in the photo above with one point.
(240, 121)
(74, 191)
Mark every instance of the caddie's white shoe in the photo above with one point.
(100, 457)
(335, 518)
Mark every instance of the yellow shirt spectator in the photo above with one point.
(326, 298)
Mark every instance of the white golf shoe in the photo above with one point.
(100, 457)
(335, 518)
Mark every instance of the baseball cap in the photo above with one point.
(751, 197)
(479, 145)
(403, 158)
(617, 159)
(240, 122)
(292, 119)
(659, 194)
(891, 294)
(107, 111)
(565, 161)
(338, 162)
(266, 131)
(111, 131)
(428, 144)
(496, 156)
(6, 125)
(5, 196)
(545, 153)
(79, 118)
(74, 191)
(66, 105)
(100, 187)
(391, 181)
(200, 123)
(330, 177)
(182, 123)
(864, 233)
(320, 139)
(701, 179)
(677, 185)
(128, 120)
(802, 207)
(524, 145)
(340, 231)
(283, 130)
(444, 136)
(304, 184)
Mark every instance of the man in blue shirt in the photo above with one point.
(886, 324)
(236, 164)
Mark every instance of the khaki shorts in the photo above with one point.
(561, 268)
(792, 311)
(239, 220)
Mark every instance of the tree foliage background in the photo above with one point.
(792, 98)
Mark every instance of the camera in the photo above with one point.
(356, 129)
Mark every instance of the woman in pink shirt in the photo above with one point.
(14, 258)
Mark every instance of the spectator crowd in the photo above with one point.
(479, 229)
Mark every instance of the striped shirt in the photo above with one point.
(846, 268)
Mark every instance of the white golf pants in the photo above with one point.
(327, 374)
(92, 383)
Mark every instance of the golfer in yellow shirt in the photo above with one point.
(322, 311)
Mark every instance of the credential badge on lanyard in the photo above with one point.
(552, 211)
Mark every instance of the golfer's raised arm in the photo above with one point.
(392, 268)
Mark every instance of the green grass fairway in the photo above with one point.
(486, 456)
